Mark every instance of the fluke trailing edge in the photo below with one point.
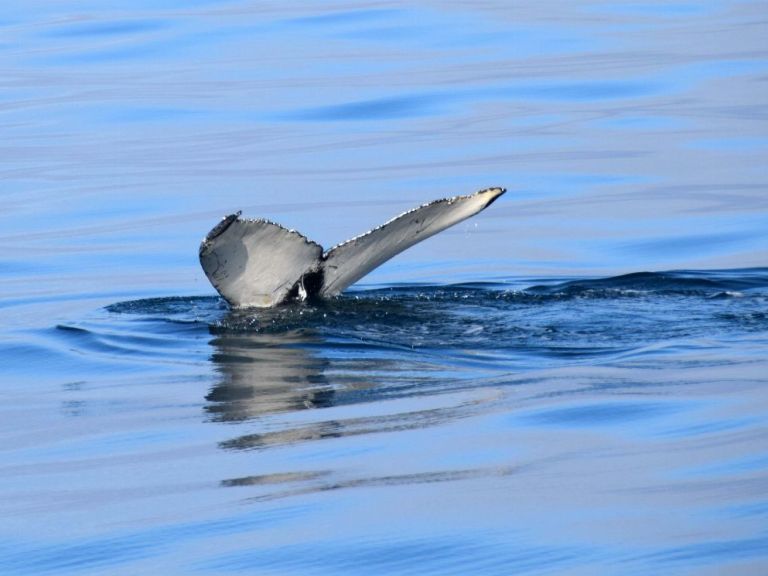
(260, 263)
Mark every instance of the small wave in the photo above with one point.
(425, 330)
(169, 306)
(389, 300)
(728, 294)
(683, 282)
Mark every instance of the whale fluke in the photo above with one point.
(257, 263)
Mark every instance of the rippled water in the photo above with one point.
(515, 396)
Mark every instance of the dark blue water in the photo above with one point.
(573, 382)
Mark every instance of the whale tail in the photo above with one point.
(257, 263)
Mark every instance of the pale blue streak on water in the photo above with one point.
(513, 396)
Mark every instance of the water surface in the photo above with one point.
(573, 382)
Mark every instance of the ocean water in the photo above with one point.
(573, 382)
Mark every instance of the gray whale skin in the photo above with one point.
(257, 263)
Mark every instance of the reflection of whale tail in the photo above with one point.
(260, 263)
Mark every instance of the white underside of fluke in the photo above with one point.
(257, 263)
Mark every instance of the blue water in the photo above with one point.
(573, 382)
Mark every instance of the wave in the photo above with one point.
(575, 319)
(710, 283)
(685, 282)
(406, 340)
